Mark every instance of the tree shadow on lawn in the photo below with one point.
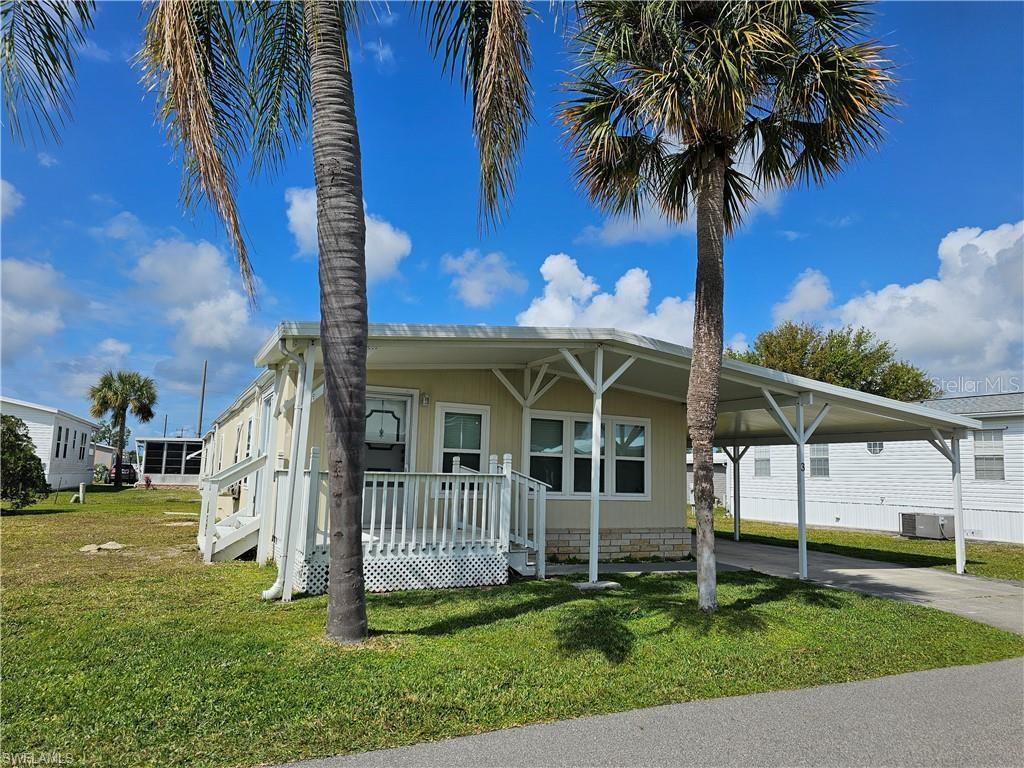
(602, 622)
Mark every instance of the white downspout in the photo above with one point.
(277, 589)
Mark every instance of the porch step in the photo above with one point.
(518, 561)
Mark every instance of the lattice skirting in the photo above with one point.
(389, 574)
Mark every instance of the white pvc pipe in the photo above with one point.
(277, 589)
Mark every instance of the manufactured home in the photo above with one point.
(63, 441)
(885, 486)
(480, 451)
(170, 460)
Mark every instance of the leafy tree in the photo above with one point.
(22, 480)
(108, 434)
(255, 78)
(850, 357)
(119, 394)
(688, 109)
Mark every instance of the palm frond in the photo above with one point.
(38, 51)
(278, 79)
(485, 44)
(189, 57)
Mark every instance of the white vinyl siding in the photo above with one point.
(869, 491)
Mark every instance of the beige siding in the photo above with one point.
(667, 440)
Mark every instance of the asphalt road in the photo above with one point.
(959, 716)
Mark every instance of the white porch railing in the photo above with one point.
(210, 489)
(425, 528)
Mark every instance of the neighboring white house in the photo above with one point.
(868, 484)
(63, 441)
(170, 460)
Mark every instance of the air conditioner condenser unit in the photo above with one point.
(920, 525)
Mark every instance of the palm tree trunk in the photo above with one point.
(702, 392)
(341, 230)
(120, 449)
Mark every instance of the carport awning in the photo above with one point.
(659, 369)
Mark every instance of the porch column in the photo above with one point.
(799, 436)
(952, 454)
(296, 464)
(958, 508)
(801, 491)
(595, 462)
(735, 457)
(268, 496)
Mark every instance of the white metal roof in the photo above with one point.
(49, 409)
(661, 369)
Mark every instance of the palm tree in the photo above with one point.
(689, 109)
(217, 110)
(118, 394)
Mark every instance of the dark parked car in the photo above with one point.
(128, 474)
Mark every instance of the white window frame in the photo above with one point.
(566, 439)
(763, 453)
(568, 456)
(82, 447)
(412, 428)
(250, 424)
(984, 448)
(811, 458)
(879, 443)
(60, 431)
(440, 409)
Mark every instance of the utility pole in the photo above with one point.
(165, 425)
(202, 397)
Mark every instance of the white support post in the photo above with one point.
(524, 462)
(506, 502)
(300, 442)
(801, 492)
(312, 510)
(267, 506)
(958, 507)
(595, 462)
(735, 457)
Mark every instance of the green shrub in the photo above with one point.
(100, 474)
(22, 480)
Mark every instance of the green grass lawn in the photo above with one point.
(147, 656)
(996, 561)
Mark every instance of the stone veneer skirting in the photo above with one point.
(616, 543)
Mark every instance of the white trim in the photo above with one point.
(412, 429)
(608, 420)
(440, 408)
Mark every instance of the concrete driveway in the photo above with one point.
(960, 716)
(998, 603)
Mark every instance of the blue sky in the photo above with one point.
(920, 241)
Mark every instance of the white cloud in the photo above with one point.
(30, 306)
(123, 226)
(10, 199)
(91, 50)
(181, 272)
(386, 245)
(219, 322)
(572, 298)
(965, 322)
(47, 160)
(114, 348)
(807, 299)
(75, 375)
(652, 227)
(791, 234)
(383, 55)
(480, 280)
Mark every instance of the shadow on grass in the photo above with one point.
(58, 502)
(596, 627)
